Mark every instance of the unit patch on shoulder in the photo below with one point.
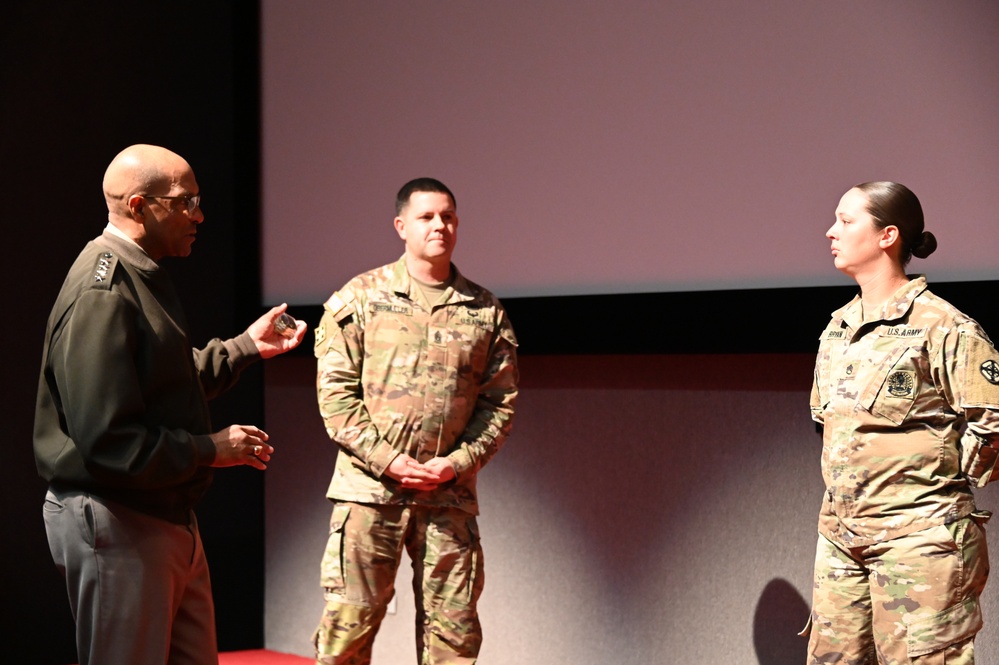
(980, 383)
(990, 370)
(320, 334)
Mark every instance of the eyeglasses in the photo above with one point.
(191, 201)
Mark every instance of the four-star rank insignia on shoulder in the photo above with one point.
(104, 267)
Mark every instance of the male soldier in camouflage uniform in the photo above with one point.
(417, 378)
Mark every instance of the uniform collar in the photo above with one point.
(894, 308)
(127, 249)
(402, 283)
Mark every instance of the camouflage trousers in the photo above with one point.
(359, 569)
(912, 599)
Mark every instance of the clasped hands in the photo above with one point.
(414, 475)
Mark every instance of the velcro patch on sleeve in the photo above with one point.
(338, 304)
(981, 369)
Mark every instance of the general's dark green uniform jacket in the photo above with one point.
(122, 399)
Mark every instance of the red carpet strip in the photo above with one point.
(262, 657)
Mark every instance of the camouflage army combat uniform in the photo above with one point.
(908, 401)
(394, 378)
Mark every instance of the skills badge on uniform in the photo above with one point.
(900, 384)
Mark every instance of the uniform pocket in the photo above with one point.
(331, 567)
(978, 459)
(938, 631)
(52, 504)
(893, 389)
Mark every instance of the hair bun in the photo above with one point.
(927, 245)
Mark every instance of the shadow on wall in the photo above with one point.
(640, 509)
(780, 615)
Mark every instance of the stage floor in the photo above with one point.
(262, 657)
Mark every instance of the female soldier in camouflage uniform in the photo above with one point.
(907, 390)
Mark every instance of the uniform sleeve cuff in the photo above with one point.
(204, 449)
(461, 461)
(379, 459)
(241, 349)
